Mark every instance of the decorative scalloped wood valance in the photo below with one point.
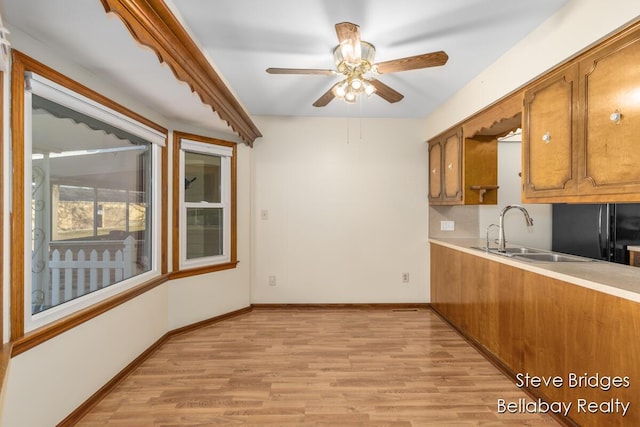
(153, 25)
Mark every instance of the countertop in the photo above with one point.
(615, 279)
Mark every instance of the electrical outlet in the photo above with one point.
(405, 277)
(272, 280)
(447, 225)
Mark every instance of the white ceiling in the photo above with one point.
(244, 37)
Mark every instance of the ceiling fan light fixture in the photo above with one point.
(369, 89)
(350, 97)
(340, 90)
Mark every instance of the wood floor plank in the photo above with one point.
(315, 367)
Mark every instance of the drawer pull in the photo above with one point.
(547, 137)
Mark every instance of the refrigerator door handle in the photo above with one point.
(603, 247)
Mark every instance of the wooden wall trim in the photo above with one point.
(152, 24)
(498, 119)
(367, 306)
(16, 297)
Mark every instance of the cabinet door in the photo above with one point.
(549, 136)
(445, 169)
(611, 95)
(446, 283)
(451, 168)
(435, 171)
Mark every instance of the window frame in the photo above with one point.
(181, 267)
(49, 326)
(2, 174)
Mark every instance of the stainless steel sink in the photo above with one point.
(521, 250)
(533, 255)
(550, 257)
(510, 252)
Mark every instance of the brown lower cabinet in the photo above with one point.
(537, 325)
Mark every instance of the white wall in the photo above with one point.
(347, 211)
(509, 193)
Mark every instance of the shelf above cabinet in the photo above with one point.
(482, 189)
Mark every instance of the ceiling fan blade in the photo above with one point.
(326, 98)
(349, 41)
(433, 59)
(300, 71)
(385, 92)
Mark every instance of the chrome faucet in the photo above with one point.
(501, 240)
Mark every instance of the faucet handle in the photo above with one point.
(487, 234)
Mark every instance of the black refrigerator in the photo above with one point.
(599, 231)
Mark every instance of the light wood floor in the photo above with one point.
(311, 367)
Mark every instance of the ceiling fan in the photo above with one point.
(354, 60)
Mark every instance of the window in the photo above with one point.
(204, 190)
(89, 197)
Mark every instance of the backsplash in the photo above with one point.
(465, 220)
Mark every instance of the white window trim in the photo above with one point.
(31, 321)
(225, 153)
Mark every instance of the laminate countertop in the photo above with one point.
(615, 279)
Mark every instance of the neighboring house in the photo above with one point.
(336, 225)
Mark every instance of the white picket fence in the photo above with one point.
(78, 273)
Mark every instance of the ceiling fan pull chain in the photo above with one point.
(360, 104)
(348, 126)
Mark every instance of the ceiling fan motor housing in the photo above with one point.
(348, 62)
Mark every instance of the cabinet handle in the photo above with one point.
(433, 171)
(450, 166)
(547, 137)
(616, 116)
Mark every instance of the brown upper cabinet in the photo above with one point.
(463, 161)
(445, 160)
(549, 134)
(463, 171)
(581, 128)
